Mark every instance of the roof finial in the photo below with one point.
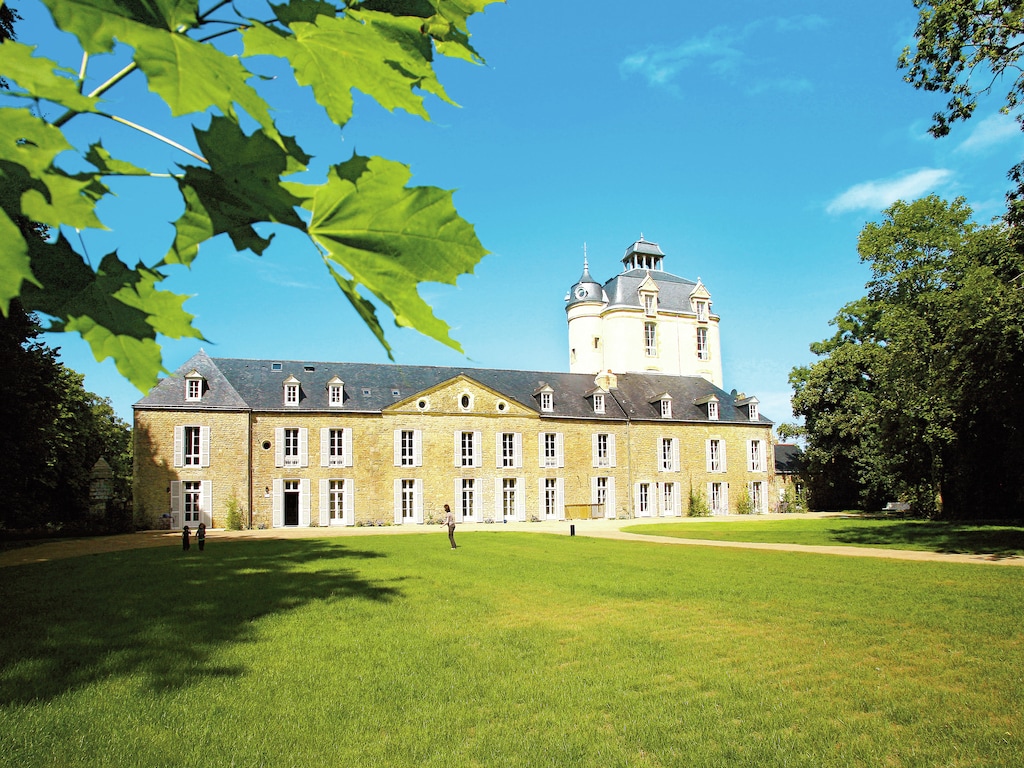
(641, 237)
(585, 255)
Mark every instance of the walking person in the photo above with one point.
(449, 520)
(201, 536)
(185, 543)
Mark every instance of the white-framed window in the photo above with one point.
(291, 391)
(603, 449)
(650, 304)
(191, 446)
(193, 389)
(466, 498)
(718, 498)
(467, 449)
(598, 402)
(466, 401)
(666, 408)
(752, 411)
(702, 311)
(337, 505)
(335, 392)
(702, 344)
(547, 401)
(757, 497)
(191, 502)
(551, 449)
(670, 506)
(408, 501)
(602, 491)
(651, 339)
(509, 450)
(755, 456)
(643, 499)
(715, 454)
(408, 448)
(509, 504)
(291, 447)
(191, 506)
(713, 410)
(336, 447)
(669, 454)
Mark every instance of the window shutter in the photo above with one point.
(520, 500)
(636, 499)
(279, 447)
(593, 450)
(721, 451)
(560, 449)
(179, 446)
(478, 449)
(206, 503)
(611, 450)
(457, 496)
(750, 456)
(204, 446)
(398, 502)
(709, 497)
(325, 501)
(497, 450)
(560, 497)
(497, 500)
(418, 501)
(457, 451)
(346, 442)
(304, 456)
(707, 455)
(175, 503)
(517, 442)
(304, 501)
(417, 448)
(278, 504)
(675, 454)
(325, 449)
(725, 498)
(540, 498)
(349, 497)
(540, 449)
(398, 447)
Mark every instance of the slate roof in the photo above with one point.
(673, 292)
(788, 459)
(257, 385)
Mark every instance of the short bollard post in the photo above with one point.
(572, 530)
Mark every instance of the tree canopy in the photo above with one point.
(376, 235)
(912, 397)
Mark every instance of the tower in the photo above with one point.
(643, 320)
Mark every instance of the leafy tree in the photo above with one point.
(373, 233)
(912, 396)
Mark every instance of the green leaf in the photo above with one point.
(241, 187)
(111, 166)
(117, 310)
(14, 262)
(362, 306)
(390, 238)
(27, 141)
(39, 79)
(98, 23)
(382, 56)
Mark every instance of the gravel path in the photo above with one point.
(606, 529)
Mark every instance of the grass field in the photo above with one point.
(517, 649)
(857, 531)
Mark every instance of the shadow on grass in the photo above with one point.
(159, 615)
(936, 536)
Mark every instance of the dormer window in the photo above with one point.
(650, 304)
(598, 402)
(291, 391)
(702, 311)
(546, 395)
(752, 411)
(194, 382)
(664, 405)
(713, 410)
(750, 403)
(335, 392)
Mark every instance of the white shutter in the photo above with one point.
(520, 500)
(540, 449)
(611, 450)
(593, 490)
(325, 502)
(417, 448)
(325, 448)
(304, 452)
(593, 451)
(725, 498)
(478, 449)
(721, 451)
(457, 451)
(349, 500)
(610, 500)
(675, 454)
(750, 459)
(398, 502)
(206, 503)
(278, 504)
(279, 446)
(204, 446)
(175, 503)
(540, 498)
(179, 446)
(710, 498)
(707, 455)
(304, 501)
(457, 496)
(418, 501)
(498, 513)
(517, 442)
(346, 444)
(636, 499)
(497, 450)
(398, 447)
(560, 497)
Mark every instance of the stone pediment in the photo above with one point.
(461, 395)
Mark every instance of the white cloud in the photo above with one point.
(993, 130)
(880, 194)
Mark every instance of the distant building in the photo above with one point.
(788, 465)
(627, 433)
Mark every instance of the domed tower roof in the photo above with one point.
(585, 289)
(643, 255)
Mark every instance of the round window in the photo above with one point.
(501, 406)
(422, 405)
(464, 401)
(266, 445)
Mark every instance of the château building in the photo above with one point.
(639, 427)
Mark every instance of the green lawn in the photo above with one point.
(926, 535)
(517, 649)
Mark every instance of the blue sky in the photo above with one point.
(751, 145)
